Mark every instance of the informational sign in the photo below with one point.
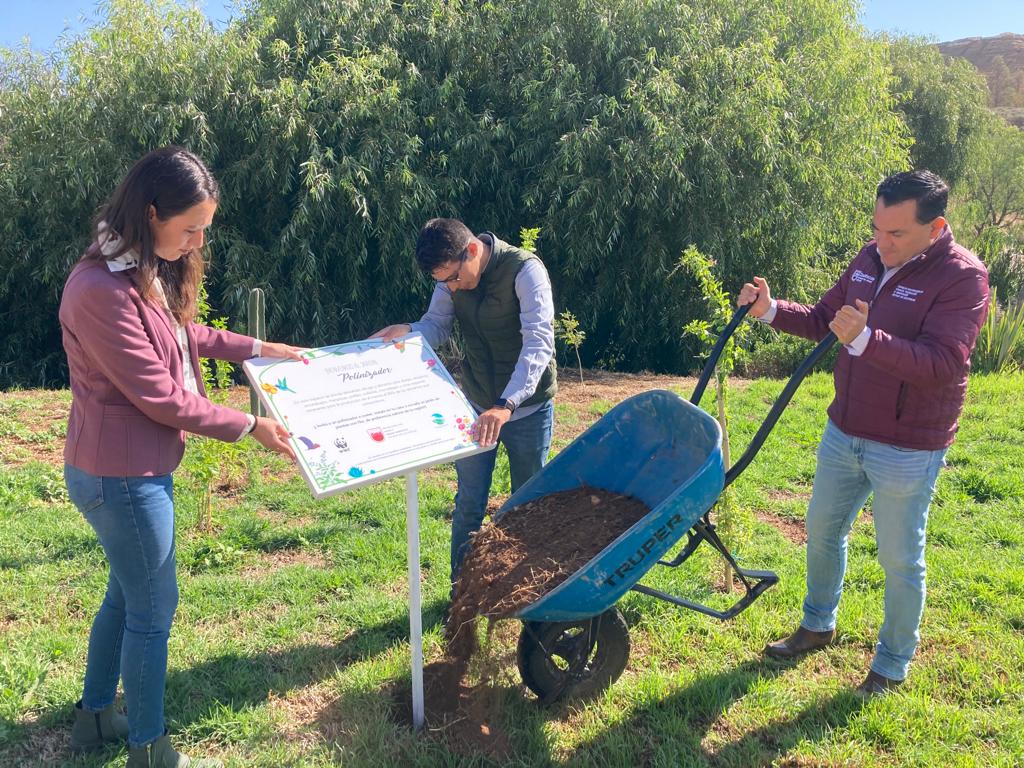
(365, 411)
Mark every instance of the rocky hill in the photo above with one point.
(1001, 60)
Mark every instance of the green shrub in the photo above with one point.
(623, 130)
(777, 355)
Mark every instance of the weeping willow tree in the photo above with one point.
(625, 130)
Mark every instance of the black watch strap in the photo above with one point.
(502, 402)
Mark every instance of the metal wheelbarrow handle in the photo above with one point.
(780, 403)
(716, 352)
(754, 582)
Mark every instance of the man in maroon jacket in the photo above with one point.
(907, 311)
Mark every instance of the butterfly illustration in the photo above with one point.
(310, 445)
(400, 346)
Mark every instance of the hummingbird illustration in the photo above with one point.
(282, 384)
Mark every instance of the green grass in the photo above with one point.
(293, 625)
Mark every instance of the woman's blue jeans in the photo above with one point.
(527, 441)
(902, 480)
(134, 520)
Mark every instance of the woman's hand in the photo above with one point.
(277, 349)
(272, 435)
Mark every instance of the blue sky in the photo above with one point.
(945, 19)
(44, 20)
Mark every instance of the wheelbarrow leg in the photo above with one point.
(755, 583)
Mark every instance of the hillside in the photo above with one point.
(1001, 60)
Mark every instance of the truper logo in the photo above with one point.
(642, 552)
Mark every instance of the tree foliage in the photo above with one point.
(943, 103)
(625, 130)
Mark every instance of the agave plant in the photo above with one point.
(1001, 341)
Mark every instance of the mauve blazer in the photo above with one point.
(129, 407)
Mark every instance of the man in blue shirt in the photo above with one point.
(501, 297)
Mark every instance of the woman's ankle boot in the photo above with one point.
(160, 754)
(94, 730)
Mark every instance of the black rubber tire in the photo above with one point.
(545, 649)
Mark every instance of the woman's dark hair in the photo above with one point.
(930, 192)
(440, 242)
(172, 180)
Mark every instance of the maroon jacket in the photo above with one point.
(129, 405)
(908, 387)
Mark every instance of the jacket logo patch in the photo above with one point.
(862, 277)
(905, 293)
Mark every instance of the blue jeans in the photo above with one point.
(850, 469)
(526, 442)
(134, 520)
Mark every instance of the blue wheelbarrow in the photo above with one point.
(666, 452)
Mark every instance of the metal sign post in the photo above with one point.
(412, 528)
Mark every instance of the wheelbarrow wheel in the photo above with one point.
(555, 661)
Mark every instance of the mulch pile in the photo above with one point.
(512, 563)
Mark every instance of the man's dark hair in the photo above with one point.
(930, 192)
(441, 241)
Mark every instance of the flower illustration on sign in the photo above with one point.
(376, 434)
(270, 389)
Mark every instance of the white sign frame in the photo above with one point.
(447, 403)
(446, 414)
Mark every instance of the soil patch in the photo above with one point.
(792, 529)
(271, 562)
(513, 562)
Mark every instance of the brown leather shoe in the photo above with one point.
(876, 685)
(800, 642)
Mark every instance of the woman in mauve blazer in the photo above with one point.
(133, 352)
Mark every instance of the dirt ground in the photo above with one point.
(513, 562)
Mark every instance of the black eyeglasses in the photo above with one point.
(458, 272)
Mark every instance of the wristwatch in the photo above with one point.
(502, 402)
